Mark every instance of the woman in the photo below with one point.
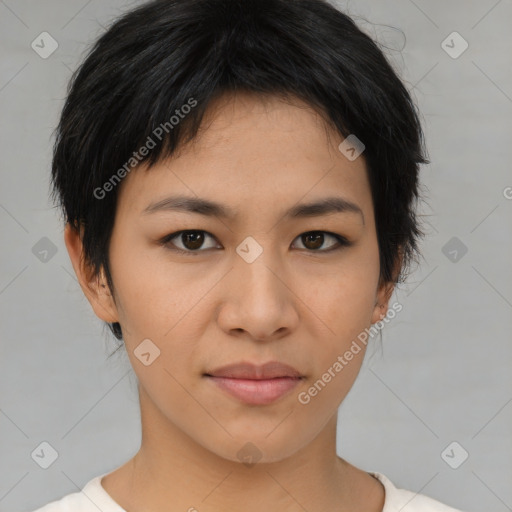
(239, 182)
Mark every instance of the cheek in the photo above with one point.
(158, 301)
(139, 285)
(344, 298)
(338, 354)
(334, 376)
(344, 302)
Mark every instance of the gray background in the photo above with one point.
(443, 371)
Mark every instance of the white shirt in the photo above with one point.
(94, 497)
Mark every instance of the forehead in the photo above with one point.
(253, 153)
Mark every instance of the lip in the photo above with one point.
(269, 370)
(256, 385)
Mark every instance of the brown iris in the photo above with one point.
(194, 238)
(316, 238)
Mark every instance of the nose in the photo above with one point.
(258, 302)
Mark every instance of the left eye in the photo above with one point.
(317, 238)
(192, 240)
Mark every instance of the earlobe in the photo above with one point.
(385, 290)
(94, 286)
(382, 302)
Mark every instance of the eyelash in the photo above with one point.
(166, 241)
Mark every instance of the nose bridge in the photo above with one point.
(258, 267)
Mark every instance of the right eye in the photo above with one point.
(191, 240)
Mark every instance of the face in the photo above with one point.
(260, 279)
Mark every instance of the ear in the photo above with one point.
(385, 290)
(95, 288)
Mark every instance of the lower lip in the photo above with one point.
(256, 392)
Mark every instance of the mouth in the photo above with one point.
(256, 385)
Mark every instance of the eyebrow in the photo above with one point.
(325, 206)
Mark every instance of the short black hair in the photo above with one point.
(166, 54)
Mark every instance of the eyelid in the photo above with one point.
(166, 241)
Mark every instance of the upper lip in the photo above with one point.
(270, 370)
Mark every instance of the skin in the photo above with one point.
(296, 303)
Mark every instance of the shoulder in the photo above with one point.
(407, 501)
(91, 498)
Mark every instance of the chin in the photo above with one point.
(260, 448)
